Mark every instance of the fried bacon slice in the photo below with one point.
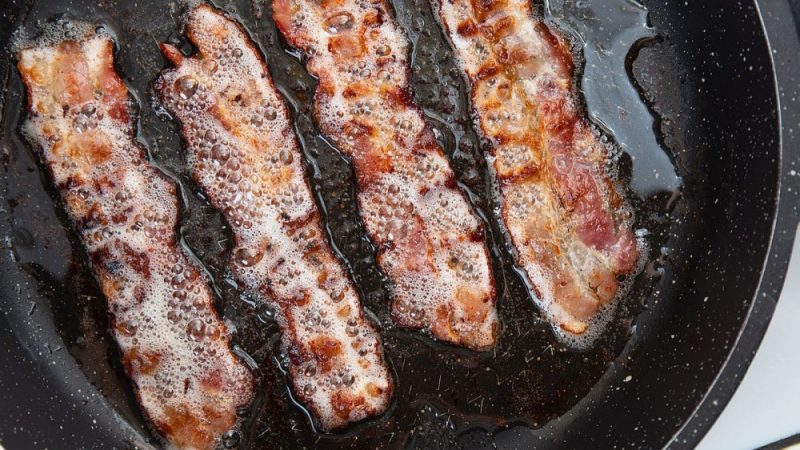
(430, 242)
(570, 228)
(174, 345)
(245, 156)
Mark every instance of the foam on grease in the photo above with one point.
(54, 32)
(175, 347)
(431, 245)
(244, 155)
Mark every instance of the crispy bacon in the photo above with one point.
(174, 345)
(430, 242)
(570, 228)
(244, 154)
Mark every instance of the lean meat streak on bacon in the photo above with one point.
(568, 225)
(244, 155)
(174, 345)
(430, 242)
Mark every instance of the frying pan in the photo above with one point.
(719, 77)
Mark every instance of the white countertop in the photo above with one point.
(766, 407)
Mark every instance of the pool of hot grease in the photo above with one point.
(445, 397)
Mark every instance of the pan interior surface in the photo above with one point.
(707, 78)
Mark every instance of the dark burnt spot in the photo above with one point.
(72, 182)
(138, 261)
(486, 71)
(101, 258)
(139, 293)
(312, 246)
(293, 226)
(502, 139)
(119, 218)
(353, 91)
(93, 218)
(476, 235)
(398, 96)
(192, 273)
(385, 247)
(467, 28)
(104, 183)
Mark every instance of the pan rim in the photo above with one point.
(778, 23)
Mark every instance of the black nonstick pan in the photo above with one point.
(719, 78)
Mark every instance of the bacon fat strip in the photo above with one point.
(174, 345)
(569, 227)
(245, 156)
(430, 242)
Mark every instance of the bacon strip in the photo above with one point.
(430, 242)
(244, 155)
(569, 227)
(174, 345)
